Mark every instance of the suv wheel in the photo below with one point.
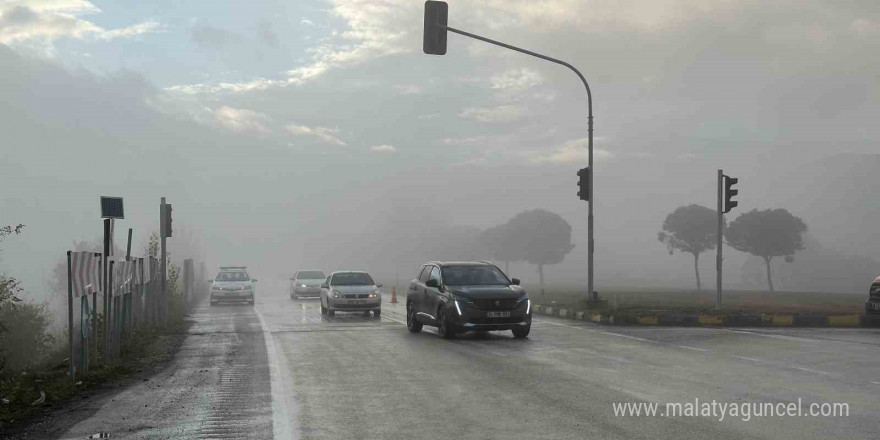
(411, 324)
(443, 327)
(323, 310)
(331, 313)
(377, 313)
(521, 332)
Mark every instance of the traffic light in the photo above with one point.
(729, 192)
(166, 221)
(434, 41)
(584, 184)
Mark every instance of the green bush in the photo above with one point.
(25, 341)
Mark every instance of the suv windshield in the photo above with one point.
(474, 276)
(351, 279)
(311, 275)
(233, 276)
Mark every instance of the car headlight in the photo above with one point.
(336, 294)
(303, 285)
(374, 294)
(463, 299)
(216, 288)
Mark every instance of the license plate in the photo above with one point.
(499, 314)
(874, 306)
(356, 301)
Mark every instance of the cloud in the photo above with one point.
(45, 21)
(213, 38)
(243, 121)
(383, 149)
(325, 135)
(515, 80)
(573, 151)
(408, 89)
(501, 113)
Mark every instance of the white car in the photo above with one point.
(232, 283)
(351, 291)
(306, 284)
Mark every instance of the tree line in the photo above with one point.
(768, 234)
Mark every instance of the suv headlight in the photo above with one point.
(374, 294)
(336, 294)
(303, 285)
(216, 288)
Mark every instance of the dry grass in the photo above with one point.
(692, 301)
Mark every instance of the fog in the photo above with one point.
(319, 136)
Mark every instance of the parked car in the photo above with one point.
(351, 291)
(469, 296)
(872, 305)
(306, 284)
(232, 283)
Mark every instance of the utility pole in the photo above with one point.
(106, 278)
(718, 258)
(434, 43)
(163, 264)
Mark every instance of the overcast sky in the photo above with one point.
(275, 127)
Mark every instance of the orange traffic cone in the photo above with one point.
(393, 294)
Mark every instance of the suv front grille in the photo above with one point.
(494, 304)
(875, 291)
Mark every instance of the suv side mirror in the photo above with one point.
(254, 280)
(325, 286)
(378, 284)
(515, 281)
(432, 283)
(210, 281)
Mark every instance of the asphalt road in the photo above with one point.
(280, 368)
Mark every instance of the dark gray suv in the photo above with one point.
(467, 296)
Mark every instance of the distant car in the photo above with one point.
(872, 305)
(232, 283)
(306, 284)
(470, 296)
(350, 291)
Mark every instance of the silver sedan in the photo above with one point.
(351, 291)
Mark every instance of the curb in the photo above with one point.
(705, 319)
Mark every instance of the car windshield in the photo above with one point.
(474, 276)
(233, 276)
(311, 275)
(351, 279)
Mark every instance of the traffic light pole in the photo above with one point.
(163, 301)
(590, 292)
(718, 260)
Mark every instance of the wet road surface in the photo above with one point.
(280, 369)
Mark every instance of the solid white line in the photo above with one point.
(692, 348)
(280, 416)
(630, 337)
(875, 383)
(810, 370)
(748, 358)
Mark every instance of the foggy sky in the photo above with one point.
(294, 135)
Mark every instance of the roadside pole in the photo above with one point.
(95, 306)
(718, 259)
(162, 264)
(105, 262)
(70, 320)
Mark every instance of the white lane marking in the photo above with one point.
(809, 370)
(630, 337)
(875, 383)
(748, 359)
(768, 335)
(692, 348)
(281, 428)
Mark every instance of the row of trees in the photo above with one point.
(767, 234)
